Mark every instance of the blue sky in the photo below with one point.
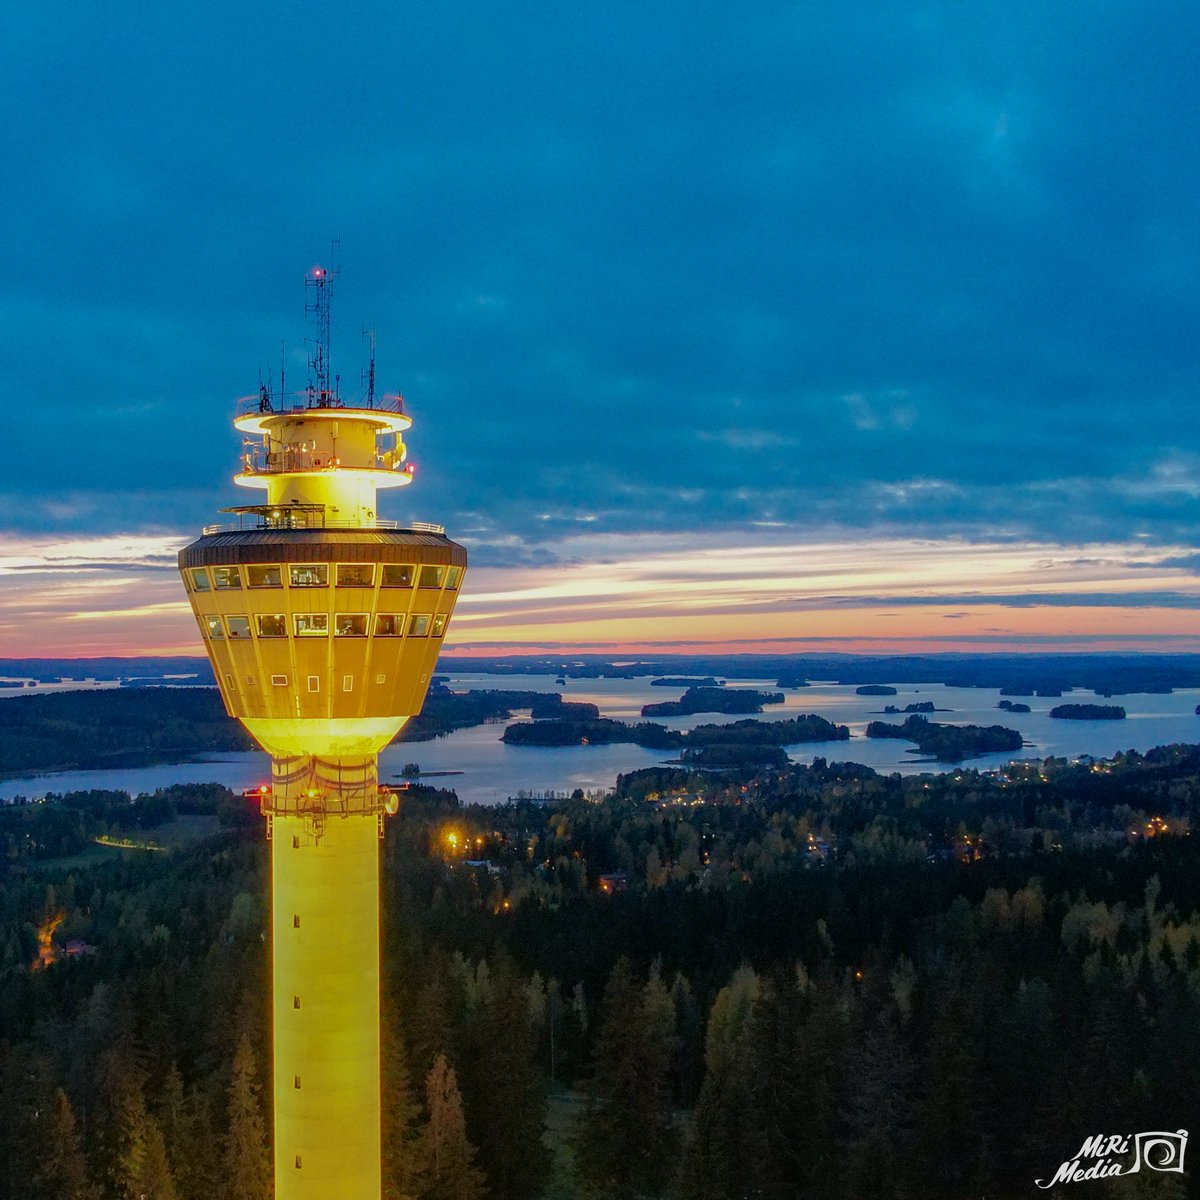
(704, 275)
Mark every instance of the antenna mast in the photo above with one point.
(318, 286)
(370, 334)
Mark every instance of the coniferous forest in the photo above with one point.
(805, 982)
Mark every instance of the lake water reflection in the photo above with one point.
(491, 772)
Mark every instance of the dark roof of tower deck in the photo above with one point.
(321, 545)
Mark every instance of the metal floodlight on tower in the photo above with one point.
(323, 624)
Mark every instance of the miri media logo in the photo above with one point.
(1107, 1155)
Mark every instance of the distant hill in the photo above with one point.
(51, 670)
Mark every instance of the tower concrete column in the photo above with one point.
(325, 968)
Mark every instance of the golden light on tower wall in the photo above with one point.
(323, 624)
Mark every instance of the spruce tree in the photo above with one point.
(502, 1088)
(717, 1162)
(626, 1142)
(247, 1165)
(799, 1074)
(62, 1169)
(403, 1147)
(452, 1174)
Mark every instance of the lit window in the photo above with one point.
(314, 683)
(200, 580)
(389, 625)
(347, 683)
(419, 626)
(310, 575)
(439, 625)
(355, 575)
(397, 575)
(229, 681)
(350, 625)
(453, 575)
(312, 624)
(212, 626)
(272, 625)
(279, 680)
(431, 577)
(264, 577)
(239, 627)
(226, 578)
(380, 678)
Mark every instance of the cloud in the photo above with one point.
(682, 273)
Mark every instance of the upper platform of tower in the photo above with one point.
(314, 452)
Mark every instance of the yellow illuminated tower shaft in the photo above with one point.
(323, 625)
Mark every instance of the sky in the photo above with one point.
(768, 327)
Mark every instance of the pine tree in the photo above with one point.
(450, 1157)
(247, 1165)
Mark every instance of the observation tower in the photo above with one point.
(323, 624)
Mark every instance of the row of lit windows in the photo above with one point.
(275, 625)
(270, 575)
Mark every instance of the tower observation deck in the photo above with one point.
(323, 624)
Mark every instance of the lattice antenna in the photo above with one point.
(370, 335)
(318, 287)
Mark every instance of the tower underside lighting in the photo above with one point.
(323, 625)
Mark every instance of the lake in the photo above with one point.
(491, 772)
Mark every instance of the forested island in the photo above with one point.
(813, 981)
(949, 743)
(713, 700)
(732, 744)
(875, 689)
(1088, 712)
(91, 729)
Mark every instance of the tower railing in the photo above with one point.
(257, 460)
(305, 520)
(289, 402)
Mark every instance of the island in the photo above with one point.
(792, 681)
(1013, 706)
(551, 705)
(726, 745)
(684, 681)
(1088, 712)
(919, 706)
(714, 700)
(949, 743)
(875, 689)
